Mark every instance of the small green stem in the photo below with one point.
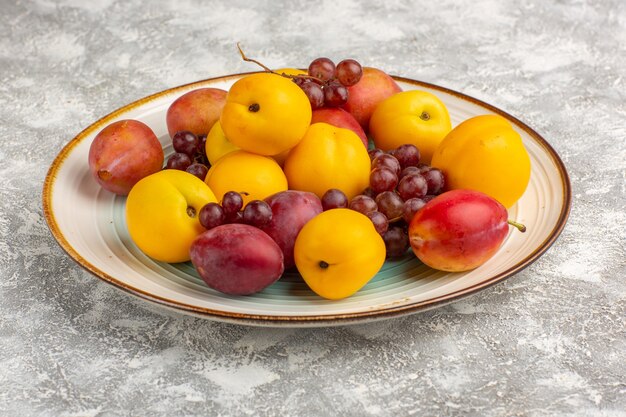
(519, 226)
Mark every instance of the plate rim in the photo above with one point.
(320, 319)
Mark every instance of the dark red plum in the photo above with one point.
(237, 259)
(290, 211)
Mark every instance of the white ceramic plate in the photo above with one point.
(88, 222)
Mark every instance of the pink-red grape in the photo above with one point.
(314, 93)
(390, 204)
(185, 142)
(257, 213)
(178, 160)
(369, 192)
(322, 68)
(383, 179)
(396, 242)
(349, 72)
(335, 94)
(412, 206)
(408, 171)
(373, 153)
(363, 204)
(334, 198)
(380, 221)
(435, 179)
(408, 155)
(412, 186)
(197, 169)
(232, 202)
(387, 161)
(211, 215)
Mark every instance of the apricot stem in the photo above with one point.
(519, 226)
(324, 264)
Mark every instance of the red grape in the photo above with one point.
(412, 206)
(435, 179)
(387, 161)
(390, 204)
(369, 192)
(257, 213)
(349, 72)
(200, 155)
(322, 68)
(380, 221)
(363, 204)
(232, 202)
(412, 186)
(408, 155)
(335, 94)
(185, 142)
(202, 142)
(300, 81)
(409, 171)
(373, 153)
(334, 198)
(396, 242)
(423, 167)
(180, 161)
(382, 179)
(211, 215)
(314, 93)
(197, 169)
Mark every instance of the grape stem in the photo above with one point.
(282, 74)
(519, 226)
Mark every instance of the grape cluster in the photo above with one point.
(256, 213)
(399, 186)
(189, 154)
(326, 83)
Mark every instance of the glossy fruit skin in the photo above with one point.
(333, 199)
(254, 176)
(291, 210)
(196, 111)
(158, 214)
(265, 113)
(364, 96)
(340, 118)
(328, 157)
(123, 153)
(458, 230)
(237, 259)
(217, 145)
(338, 252)
(486, 154)
(415, 117)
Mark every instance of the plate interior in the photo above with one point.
(89, 224)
